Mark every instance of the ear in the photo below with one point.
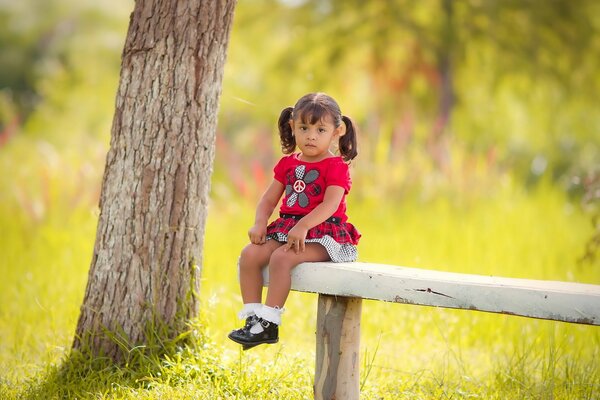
(340, 130)
(291, 122)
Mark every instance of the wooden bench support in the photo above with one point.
(338, 348)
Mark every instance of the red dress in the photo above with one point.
(305, 184)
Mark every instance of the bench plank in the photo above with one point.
(560, 301)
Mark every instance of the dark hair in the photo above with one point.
(310, 109)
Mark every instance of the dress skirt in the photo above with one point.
(338, 238)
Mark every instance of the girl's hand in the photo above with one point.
(296, 238)
(258, 234)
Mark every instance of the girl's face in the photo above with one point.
(314, 140)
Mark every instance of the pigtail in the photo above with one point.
(288, 142)
(347, 143)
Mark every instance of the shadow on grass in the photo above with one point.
(163, 360)
(80, 376)
(163, 364)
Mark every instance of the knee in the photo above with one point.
(280, 262)
(250, 257)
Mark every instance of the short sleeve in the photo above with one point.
(279, 170)
(338, 174)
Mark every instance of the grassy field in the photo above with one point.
(408, 352)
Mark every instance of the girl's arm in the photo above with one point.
(331, 201)
(264, 209)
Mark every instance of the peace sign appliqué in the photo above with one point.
(300, 185)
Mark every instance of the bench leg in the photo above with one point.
(338, 342)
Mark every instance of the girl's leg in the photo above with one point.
(253, 259)
(281, 264)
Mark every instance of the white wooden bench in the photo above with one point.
(342, 286)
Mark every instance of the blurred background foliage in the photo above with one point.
(479, 152)
(453, 98)
(436, 85)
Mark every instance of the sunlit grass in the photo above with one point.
(47, 233)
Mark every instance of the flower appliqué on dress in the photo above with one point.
(300, 184)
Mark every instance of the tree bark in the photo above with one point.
(147, 257)
(438, 141)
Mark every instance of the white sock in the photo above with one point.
(249, 310)
(271, 314)
(256, 328)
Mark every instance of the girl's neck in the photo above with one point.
(314, 159)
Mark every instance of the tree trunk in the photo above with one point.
(438, 141)
(147, 257)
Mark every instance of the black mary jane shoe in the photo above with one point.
(247, 339)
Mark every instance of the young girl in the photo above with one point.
(312, 223)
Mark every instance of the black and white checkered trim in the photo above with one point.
(338, 252)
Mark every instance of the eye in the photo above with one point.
(321, 130)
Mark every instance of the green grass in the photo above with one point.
(47, 232)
